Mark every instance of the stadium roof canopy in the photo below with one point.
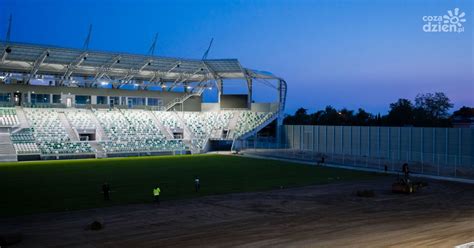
(65, 63)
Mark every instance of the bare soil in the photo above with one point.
(332, 215)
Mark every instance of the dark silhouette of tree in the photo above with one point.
(464, 112)
(436, 106)
(401, 113)
(315, 117)
(300, 117)
(431, 109)
(331, 116)
(362, 118)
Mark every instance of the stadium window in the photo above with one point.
(154, 102)
(39, 98)
(83, 99)
(136, 101)
(5, 97)
(114, 100)
(56, 98)
(101, 100)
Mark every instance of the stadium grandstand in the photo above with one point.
(62, 103)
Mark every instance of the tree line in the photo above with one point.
(427, 110)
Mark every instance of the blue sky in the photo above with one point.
(331, 52)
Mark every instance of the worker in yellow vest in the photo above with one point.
(156, 194)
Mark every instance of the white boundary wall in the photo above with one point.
(448, 146)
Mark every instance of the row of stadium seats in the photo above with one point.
(46, 125)
(129, 130)
(207, 124)
(80, 119)
(249, 121)
(133, 131)
(168, 119)
(144, 124)
(26, 148)
(65, 147)
(8, 117)
(149, 145)
(24, 142)
(218, 121)
(50, 135)
(23, 136)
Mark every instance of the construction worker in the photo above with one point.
(106, 191)
(156, 194)
(197, 184)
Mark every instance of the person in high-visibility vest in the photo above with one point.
(156, 194)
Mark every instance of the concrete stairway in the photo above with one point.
(233, 124)
(100, 133)
(99, 150)
(69, 130)
(164, 130)
(187, 133)
(254, 131)
(7, 151)
(24, 123)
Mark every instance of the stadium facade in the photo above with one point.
(61, 103)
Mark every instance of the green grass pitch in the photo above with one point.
(48, 186)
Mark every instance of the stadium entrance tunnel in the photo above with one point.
(220, 145)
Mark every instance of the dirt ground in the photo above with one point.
(331, 215)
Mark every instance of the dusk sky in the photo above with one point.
(341, 53)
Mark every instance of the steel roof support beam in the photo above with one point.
(106, 68)
(73, 66)
(7, 39)
(155, 75)
(249, 87)
(174, 67)
(37, 64)
(132, 73)
(184, 79)
(163, 74)
(204, 83)
(206, 77)
(220, 88)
